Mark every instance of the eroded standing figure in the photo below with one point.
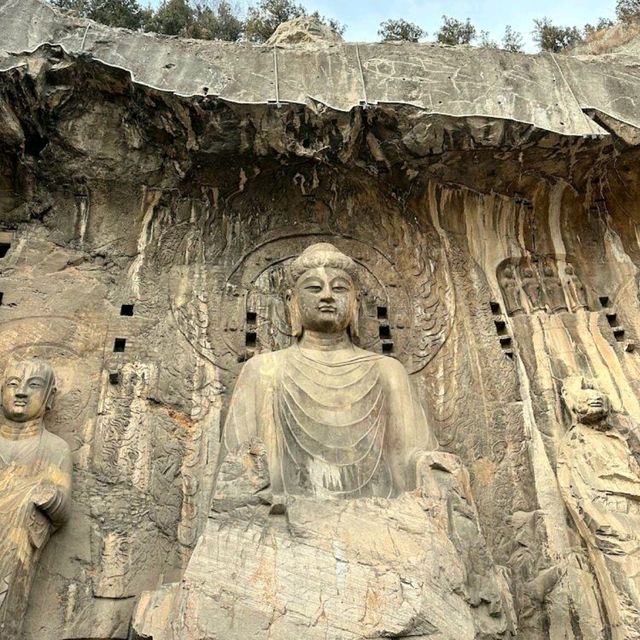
(510, 291)
(576, 292)
(531, 286)
(553, 288)
(35, 485)
(599, 480)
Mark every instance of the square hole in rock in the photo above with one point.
(1, 296)
(252, 317)
(505, 341)
(119, 345)
(387, 347)
(604, 301)
(383, 313)
(495, 308)
(4, 248)
(612, 319)
(384, 331)
(251, 338)
(126, 310)
(501, 327)
(618, 334)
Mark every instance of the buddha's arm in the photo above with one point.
(408, 432)
(242, 421)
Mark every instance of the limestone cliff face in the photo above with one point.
(150, 190)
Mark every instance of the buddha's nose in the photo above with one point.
(326, 294)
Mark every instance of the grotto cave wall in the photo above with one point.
(122, 183)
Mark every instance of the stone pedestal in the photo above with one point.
(325, 570)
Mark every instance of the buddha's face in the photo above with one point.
(326, 299)
(590, 406)
(26, 391)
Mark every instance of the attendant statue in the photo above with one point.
(553, 288)
(510, 291)
(576, 292)
(599, 479)
(336, 420)
(531, 286)
(35, 485)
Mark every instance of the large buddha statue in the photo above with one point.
(35, 485)
(334, 517)
(336, 420)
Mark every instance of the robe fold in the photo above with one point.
(344, 429)
(32, 470)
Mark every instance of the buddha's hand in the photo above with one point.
(430, 463)
(45, 497)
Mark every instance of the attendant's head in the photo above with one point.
(324, 293)
(28, 389)
(587, 403)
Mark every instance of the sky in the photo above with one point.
(363, 17)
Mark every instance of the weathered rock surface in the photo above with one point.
(368, 568)
(490, 199)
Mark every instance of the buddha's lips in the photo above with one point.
(326, 309)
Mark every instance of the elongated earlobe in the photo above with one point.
(50, 398)
(354, 325)
(294, 315)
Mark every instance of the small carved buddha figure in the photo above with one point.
(553, 288)
(599, 479)
(510, 291)
(531, 286)
(336, 421)
(575, 290)
(35, 485)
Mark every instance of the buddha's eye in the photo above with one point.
(340, 289)
(313, 288)
(12, 383)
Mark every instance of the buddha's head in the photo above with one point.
(28, 389)
(323, 295)
(587, 403)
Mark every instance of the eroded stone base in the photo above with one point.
(368, 568)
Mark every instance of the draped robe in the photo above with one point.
(335, 424)
(599, 479)
(29, 467)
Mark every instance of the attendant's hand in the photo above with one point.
(44, 497)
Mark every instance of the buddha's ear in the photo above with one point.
(354, 325)
(294, 314)
(50, 398)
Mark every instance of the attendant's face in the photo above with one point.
(25, 392)
(326, 299)
(591, 406)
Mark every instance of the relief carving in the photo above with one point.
(599, 477)
(35, 485)
(536, 282)
(329, 465)
(337, 420)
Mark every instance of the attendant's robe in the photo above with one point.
(30, 468)
(599, 480)
(349, 428)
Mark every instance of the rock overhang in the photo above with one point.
(554, 93)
